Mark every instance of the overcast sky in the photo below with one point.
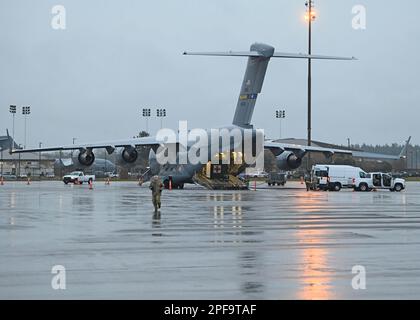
(92, 79)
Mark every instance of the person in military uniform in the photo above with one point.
(156, 186)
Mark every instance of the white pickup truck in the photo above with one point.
(378, 180)
(78, 177)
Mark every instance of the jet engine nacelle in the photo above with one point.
(288, 161)
(86, 158)
(129, 154)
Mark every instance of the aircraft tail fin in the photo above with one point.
(258, 58)
(252, 84)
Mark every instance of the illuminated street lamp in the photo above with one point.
(310, 17)
(312, 12)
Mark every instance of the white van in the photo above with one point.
(336, 177)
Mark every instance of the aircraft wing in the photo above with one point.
(108, 145)
(301, 150)
(378, 156)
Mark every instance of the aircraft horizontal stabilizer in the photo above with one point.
(268, 55)
(226, 54)
(307, 56)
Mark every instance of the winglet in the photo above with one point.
(10, 140)
(404, 149)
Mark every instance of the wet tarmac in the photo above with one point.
(280, 243)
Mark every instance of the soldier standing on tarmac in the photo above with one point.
(156, 186)
(308, 181)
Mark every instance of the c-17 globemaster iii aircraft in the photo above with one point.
(289, 156)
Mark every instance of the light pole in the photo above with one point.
(310, 16)
(39, 161)
(2, 161)
(412, 160)
(280, 114)
(72, 151)
(20, 147)
(61, 164)
(147, 114)
(161, 113)
(12, 110)
(26, 111)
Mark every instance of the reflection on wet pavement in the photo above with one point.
(264, 244)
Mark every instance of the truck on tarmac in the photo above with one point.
(276, 178)
(78, 177)
(379, 180)
(336, 177)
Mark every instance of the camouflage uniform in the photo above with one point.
(156, 187)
